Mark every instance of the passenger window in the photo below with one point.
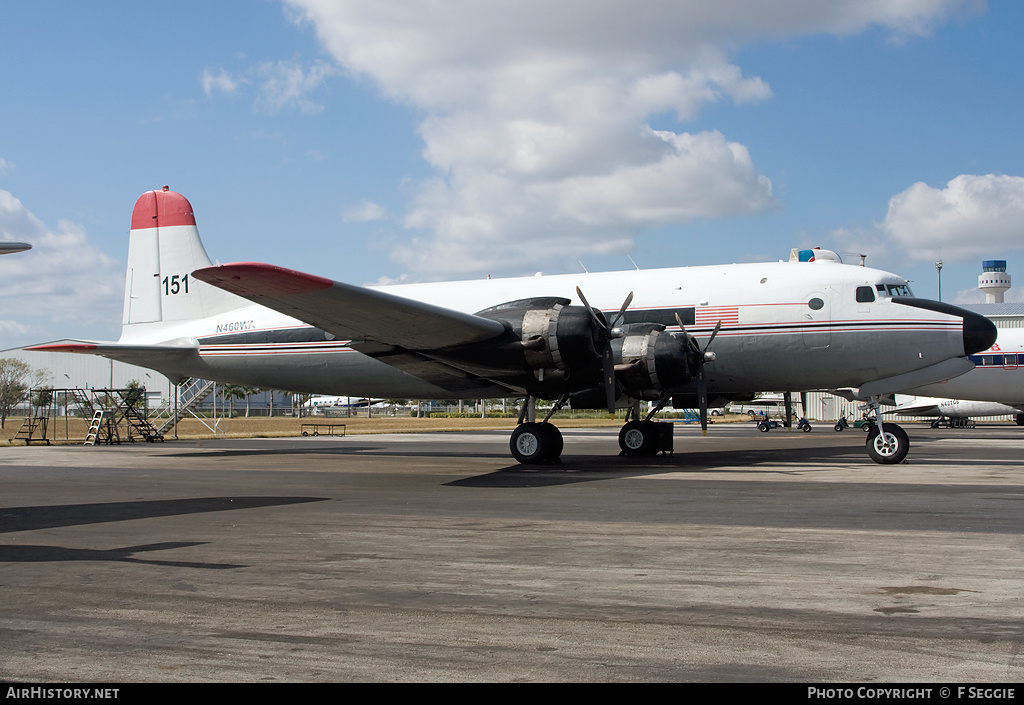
(865, 295)
(1010, 360)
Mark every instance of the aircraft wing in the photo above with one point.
(922, 407)
(351, 312)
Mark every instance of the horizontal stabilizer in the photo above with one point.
(351, 312)
(166, 359)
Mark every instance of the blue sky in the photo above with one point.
(377, 142)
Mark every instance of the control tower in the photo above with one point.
(994, 280)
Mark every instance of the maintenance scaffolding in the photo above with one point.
(116, 416)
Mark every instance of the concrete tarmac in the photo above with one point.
(745, 556)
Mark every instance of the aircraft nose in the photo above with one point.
(979, 332)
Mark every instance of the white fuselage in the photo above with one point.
(784, 326)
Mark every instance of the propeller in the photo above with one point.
(702, 385)
(607, 357)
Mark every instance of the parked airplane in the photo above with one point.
(995, 386)
(954, 412)
(794, 325)
(9, 246)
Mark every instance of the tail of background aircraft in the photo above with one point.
(163, 250)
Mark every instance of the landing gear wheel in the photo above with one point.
(638, 438)
(533, 443)
(890, 447)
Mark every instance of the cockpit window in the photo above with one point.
(899, 290)
(893, 290)
(865, 294)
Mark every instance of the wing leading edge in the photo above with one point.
(351, 312)
(397, 331)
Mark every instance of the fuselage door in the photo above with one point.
(816, 320)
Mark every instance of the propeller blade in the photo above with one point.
(622, 311)
(607, 355)
(608, 362)
(718, 327)
(702, 401)
(600, 324)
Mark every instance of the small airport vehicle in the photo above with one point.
(842, 424)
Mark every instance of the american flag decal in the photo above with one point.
(711, 315)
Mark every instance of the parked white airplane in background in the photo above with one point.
(995, 387)
(793, 325)
(9, 246)
(954, 412)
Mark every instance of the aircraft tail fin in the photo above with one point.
(163, 250)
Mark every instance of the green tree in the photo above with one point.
(13, 385)
(230, 392)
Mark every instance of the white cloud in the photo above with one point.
(5, 166)
(537, 114)
(973, 216)
(62, 278)
(1012, 295)
(286, 83)
(221, 82)
(365, 212)
(279, 85)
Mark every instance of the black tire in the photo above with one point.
(533, 443)
(637, 438)
(763, 427)
(807, 428)
(555, 440)
(1019, 418)
(867, 427)
(890, 449)
(838, 427)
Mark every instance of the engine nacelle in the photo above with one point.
(553, 340)
(649, 361)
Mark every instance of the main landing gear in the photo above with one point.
(534, 442)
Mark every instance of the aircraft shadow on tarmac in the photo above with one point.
(47, 517)
(46, 554)
(589, 468)
(452, 451)
(54, 516)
